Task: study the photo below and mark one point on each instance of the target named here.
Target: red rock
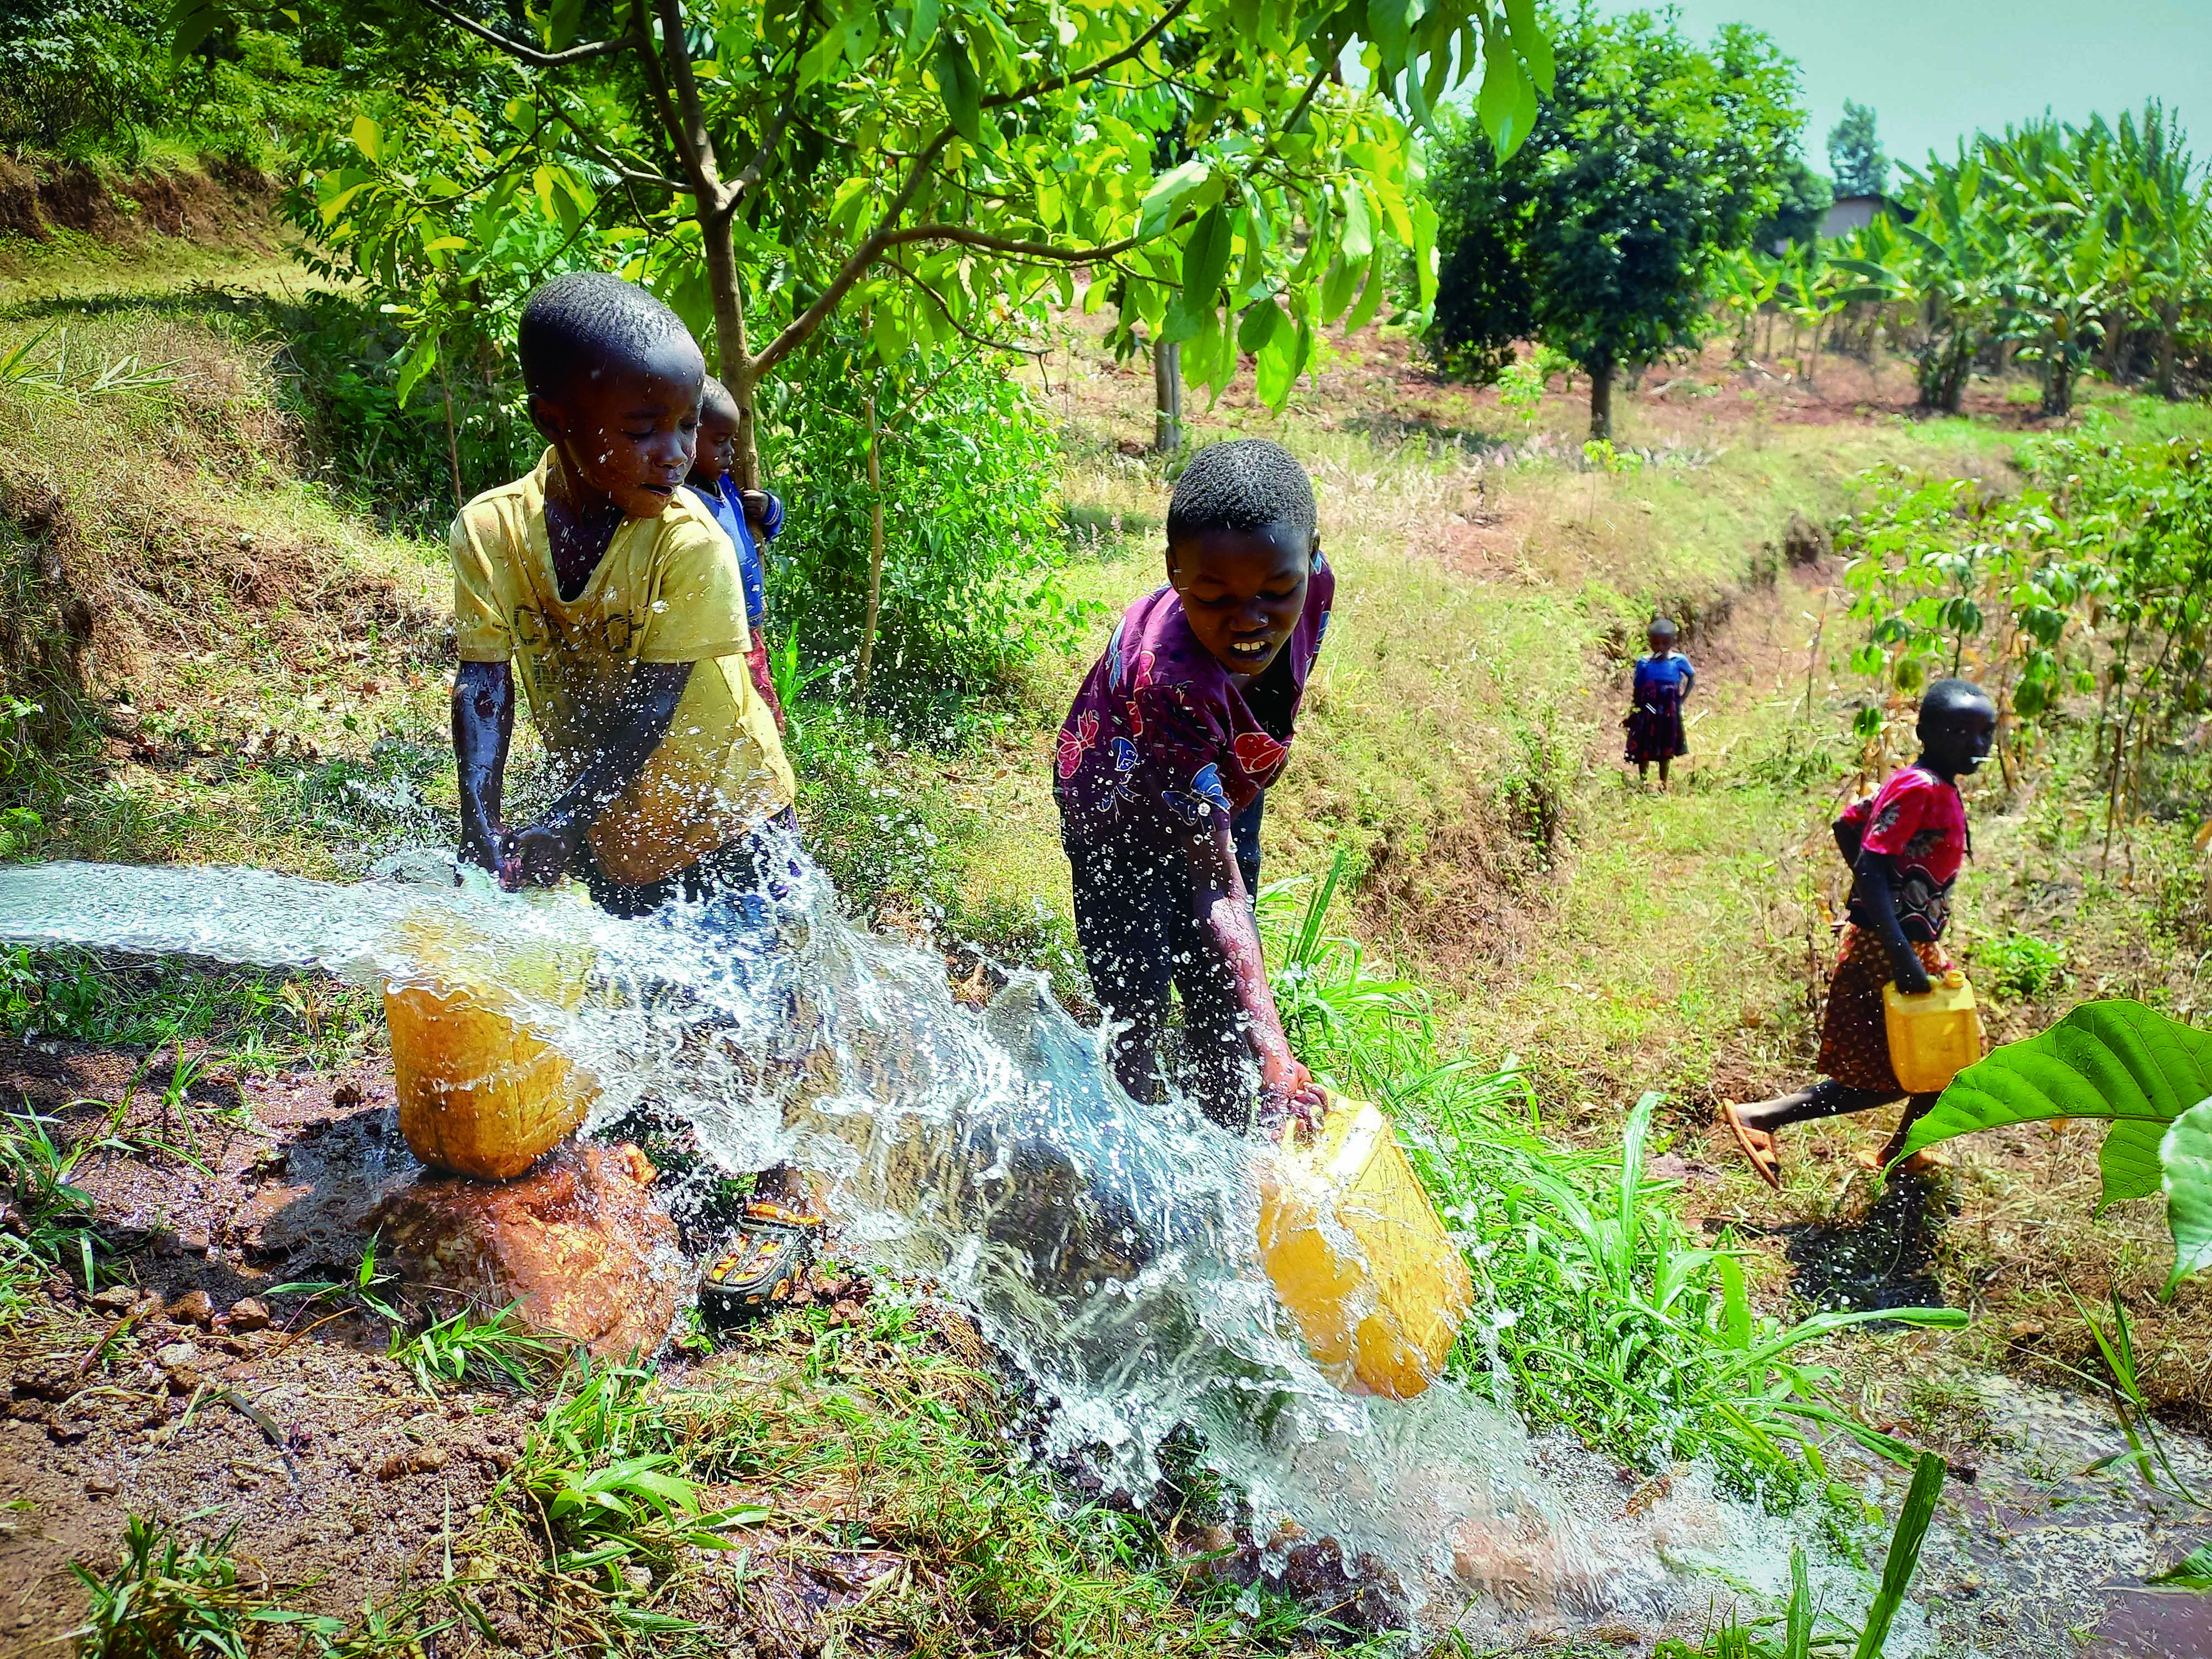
(578, 1242)
(248, 1314)
(193, 1308)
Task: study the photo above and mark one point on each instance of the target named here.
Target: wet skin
(1242, 593)
(718, 454)
(624, 433)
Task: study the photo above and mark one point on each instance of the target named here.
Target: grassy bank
(232, 655)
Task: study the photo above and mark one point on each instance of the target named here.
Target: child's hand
(754, 505)
(1912, 979)
(537, 855)
(1296, 1096)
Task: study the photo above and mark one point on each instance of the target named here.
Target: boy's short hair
(1663, 625)
(1244, 485)
(1944, 697)
(581, 320)
(716, 400)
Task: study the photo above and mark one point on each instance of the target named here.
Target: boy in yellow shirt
(614, 597)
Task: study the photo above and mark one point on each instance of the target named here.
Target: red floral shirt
(1919, 822)
(1159, 735)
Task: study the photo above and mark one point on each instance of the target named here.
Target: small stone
(176, 1356)
(638, 1579)
(192, 1240)
(429, 1458)
(346, 1096)
(117, 1298)
(394, 1468)
(100, 1486)
(193, 1308)
(248, 1314)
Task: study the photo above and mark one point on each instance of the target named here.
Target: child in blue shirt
(1663, 680)
(748, 518)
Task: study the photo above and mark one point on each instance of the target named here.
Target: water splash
(1108, 1248)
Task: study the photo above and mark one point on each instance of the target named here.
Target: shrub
(2021, 965)
(971, 540)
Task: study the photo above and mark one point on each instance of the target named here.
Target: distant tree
(1652, 160)
(1806, 197)
(1855, 154)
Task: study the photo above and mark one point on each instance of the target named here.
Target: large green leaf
(2186, 1154)
(2106, 1059)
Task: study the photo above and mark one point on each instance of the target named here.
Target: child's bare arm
(1876, 886)
(540, 853)
(1225, 913)
(484, 726)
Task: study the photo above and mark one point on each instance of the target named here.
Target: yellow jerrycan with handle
(482, 1091)
(1932, 1038)
(1359, 1256)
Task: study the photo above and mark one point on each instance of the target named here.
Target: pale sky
(1936, 70)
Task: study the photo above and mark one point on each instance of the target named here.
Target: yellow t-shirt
(667, 590)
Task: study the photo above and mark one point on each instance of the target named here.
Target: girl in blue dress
(1663, 680)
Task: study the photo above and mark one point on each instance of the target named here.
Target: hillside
(220, 650)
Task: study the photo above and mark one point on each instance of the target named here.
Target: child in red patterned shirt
(1905, 845)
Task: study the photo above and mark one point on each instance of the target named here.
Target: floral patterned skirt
(1855, 1035)
(1655, 731)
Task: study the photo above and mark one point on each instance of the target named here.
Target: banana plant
(2147, 1074)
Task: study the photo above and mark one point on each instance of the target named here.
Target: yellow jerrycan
(481, 1091)
(1389, 1319)
(1932, 1038)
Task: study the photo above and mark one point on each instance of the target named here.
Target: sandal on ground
(1756, 1146)
(771, 1247)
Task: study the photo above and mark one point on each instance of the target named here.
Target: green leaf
(1206, 260)
(2115, 1060)
(1359, 226)
(2185, 1156)
(1338, 287)
(1904, 1554)
(1388, 27)
(1506, 105)
(920, 30)
(2192, 1572)
(421, 358)
(367, 136)
(1370, 300)
(1259, 326)
(561, 22)
(193, 20)
(1278, 364)
(1530, 41)
(1155, 212)
(961, 88)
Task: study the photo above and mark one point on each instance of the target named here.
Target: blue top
(1660, 678)
(722, 502)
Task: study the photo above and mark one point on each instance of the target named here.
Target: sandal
(1756, 1145)
(772, 1246)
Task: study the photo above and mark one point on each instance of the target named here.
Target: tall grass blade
(1797, 1622)
(1904, 1555)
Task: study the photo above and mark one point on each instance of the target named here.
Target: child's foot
(1758, 1145)
(1925, 1162)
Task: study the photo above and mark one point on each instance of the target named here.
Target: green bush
(971, 537)
(81, 76)
(2021, 965)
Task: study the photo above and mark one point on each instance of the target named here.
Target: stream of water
(1109, 1249)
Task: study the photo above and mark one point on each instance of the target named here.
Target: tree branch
(515, 49)
(1061, 83)
(749, 175)
(703, 185)
(963, 331)
(799, 328)
(694, 133)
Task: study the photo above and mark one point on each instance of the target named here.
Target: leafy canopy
(941, 166)
(1855, 154)
(1600, 237)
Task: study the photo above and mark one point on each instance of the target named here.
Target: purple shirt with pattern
(1159, 737)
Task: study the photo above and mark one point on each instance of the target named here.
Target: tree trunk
(1167, 398)
(875, 553)
(2169, 315)
(733, 363)
(1600, 380)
